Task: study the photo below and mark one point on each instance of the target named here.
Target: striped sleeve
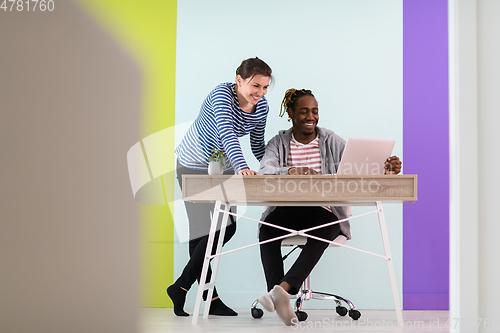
(222, 105)
(257, 140)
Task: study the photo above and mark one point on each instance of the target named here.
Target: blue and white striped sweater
(219, 124)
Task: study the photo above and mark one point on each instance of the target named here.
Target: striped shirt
(219, 125)
(305, 155)
(302, 155)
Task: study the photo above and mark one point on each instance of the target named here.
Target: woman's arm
(257, 140)
(222, 105)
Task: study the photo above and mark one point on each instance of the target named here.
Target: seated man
(304, 149)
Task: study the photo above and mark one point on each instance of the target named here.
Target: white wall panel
(350, 54)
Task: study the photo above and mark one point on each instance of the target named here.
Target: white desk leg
(206, 261)
(215, 265)
(390, 266)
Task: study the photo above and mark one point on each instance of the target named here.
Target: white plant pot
(214, 168)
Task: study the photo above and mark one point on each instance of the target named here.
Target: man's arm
(270, 163)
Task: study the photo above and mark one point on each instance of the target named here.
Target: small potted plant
(216, 162)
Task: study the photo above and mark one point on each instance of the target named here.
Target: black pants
(296, 218)
(199, 216)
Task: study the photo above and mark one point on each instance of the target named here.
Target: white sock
(267, 302)
(281, 300)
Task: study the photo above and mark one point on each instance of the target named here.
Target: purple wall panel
(425, 133)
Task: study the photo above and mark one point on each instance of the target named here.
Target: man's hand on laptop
(392, 165)
(302, 171)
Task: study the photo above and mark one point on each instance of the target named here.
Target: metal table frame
(223, 207)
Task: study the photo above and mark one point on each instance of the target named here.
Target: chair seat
(301, 240)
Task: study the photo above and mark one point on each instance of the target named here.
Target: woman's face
(253, 88)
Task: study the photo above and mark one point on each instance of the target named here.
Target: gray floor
(156, 320)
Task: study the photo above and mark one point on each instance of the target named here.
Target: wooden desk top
(269, 189)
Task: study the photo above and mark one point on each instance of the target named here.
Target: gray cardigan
(331, 148)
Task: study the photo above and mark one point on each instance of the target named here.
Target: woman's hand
(247, 172)
(302, 171)
(392, 165)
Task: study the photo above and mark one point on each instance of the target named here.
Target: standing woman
(230, 111)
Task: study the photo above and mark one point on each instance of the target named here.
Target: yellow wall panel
(147, 30)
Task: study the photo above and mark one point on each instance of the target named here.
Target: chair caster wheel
(354, 314)
(257, 313)
(301, 315)
(342, 311)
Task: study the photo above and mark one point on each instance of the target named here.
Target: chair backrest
(301, 240)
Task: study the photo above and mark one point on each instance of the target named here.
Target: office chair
(306, 293)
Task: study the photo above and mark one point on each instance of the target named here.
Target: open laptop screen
(365, 156)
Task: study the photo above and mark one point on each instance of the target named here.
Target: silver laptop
(365, 156)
